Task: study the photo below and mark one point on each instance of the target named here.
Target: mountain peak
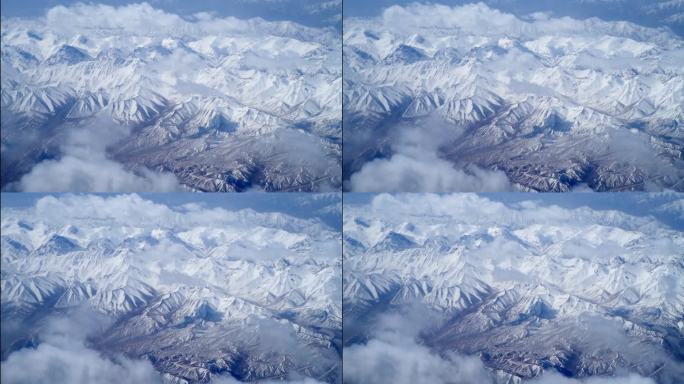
(405, 54)
(68, 55)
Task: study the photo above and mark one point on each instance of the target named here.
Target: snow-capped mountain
(554, 103)
(222, 104)
(530, 288)
(203, 294)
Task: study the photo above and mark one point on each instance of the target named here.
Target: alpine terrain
(182, 294)
(508, 289)
(131, 98)
(470, 98)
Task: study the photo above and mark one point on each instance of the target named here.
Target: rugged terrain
(219, 104)
(528, 287)
(553, 103)
(200, 293)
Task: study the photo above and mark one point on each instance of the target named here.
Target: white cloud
(119, 208)
(85, 167)
(135, 210)
(93, 174)
(481, 19)
(424, 173)
(72, 362)
(393, 355)
(555, 378)
(134, 17)
(144, 19)
(63, 357)
(469, 17)
(417, 165)
(380, 361)
(491, 212)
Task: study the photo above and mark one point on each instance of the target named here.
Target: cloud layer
(94, 173)
(482, 19)
(144, 18)
(423, 173)
(394, 354)
(417, 165)
(85, 166)
(64, 357)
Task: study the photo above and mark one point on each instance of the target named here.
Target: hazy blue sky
(319, 13)
(325, 206)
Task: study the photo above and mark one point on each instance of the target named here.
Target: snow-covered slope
(222, 104)
(202, 293)
(552, 102)
(529, 287)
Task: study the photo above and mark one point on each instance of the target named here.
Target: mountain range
(201, 294)
(216, 104)
(527, 288)
(552, 103)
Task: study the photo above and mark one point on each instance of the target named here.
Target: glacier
(135, 287)
(513, 288)
(470, 98)
(97, 98)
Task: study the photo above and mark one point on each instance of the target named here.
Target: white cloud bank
(70, 361)
(394, 354)
(481, 19)
(64, 357)
(383, 361)
(85, 166)
(423, 173)
(126, 210)
(95, 173)
(417, 166)
(144, 18)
